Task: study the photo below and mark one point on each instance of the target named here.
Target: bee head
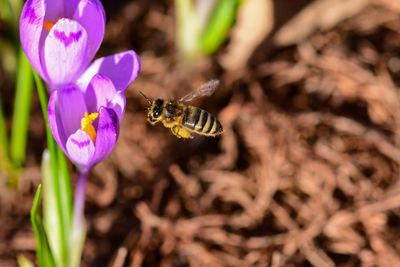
(155, 111)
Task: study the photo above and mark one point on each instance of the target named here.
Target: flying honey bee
(182, 119)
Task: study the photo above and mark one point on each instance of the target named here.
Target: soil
(305, 174)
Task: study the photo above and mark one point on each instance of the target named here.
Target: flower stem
(79, 199)
(78, 226)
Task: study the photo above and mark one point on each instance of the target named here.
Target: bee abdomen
(201, 122)
(212, 126)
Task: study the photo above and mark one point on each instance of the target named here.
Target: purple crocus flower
(61, 37)
(84, 117)
(85, 123)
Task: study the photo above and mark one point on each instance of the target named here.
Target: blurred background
(306, 173)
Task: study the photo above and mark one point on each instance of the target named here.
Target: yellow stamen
(87, 124)
(49, 24)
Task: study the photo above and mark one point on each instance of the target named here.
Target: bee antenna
(148, 100)
(140, 109)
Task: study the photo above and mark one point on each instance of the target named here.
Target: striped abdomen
(201, 122)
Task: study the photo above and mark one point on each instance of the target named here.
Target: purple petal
(118, 105)
(121, 68)
(71, 107)
(102, 93)
(31, 25)
(65, 53)
(90, 14)
(54, 11)
(80, 150)
(99, 92)
(54, 121)
(107, 134)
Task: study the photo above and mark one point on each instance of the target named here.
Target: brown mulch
(306, 172)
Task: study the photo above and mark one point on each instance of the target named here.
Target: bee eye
(157, 108)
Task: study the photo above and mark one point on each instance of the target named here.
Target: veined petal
(121, 68)
(30, 26)
(118, 105)
(91, 15)
(99, 92)
(107, 134)
(65, 52)
(71, 107)
(54, 121)
(80, 149)
(102, 93)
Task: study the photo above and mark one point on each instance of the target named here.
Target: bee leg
(175, 131)
(180, 132)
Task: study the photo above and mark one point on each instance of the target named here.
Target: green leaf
(219, 24)
(43, 252)
(22, 105)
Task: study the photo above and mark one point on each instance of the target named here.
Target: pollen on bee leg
(181, 132)
(87, 124)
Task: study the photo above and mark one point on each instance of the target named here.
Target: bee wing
(206, 89)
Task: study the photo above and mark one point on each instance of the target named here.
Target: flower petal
(71, 107)
(54, 10)
(121, 68)
(65, 52)
(54, 121)
(80, 150)
(107, 133)
(102, 93)
(30, 26)
(91, 15)
(118, 105)
(99, 92)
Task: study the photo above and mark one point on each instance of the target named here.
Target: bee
(183, 119)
